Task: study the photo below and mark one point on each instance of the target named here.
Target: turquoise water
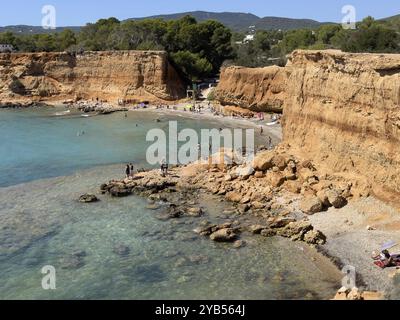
(45, 167)
(38, 144)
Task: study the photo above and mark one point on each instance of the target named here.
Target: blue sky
(78, 12)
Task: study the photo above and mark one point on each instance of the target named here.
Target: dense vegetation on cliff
(270, 47)
(199, 49)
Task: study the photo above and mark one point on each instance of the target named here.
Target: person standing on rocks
(164, 168)
(128, 171)
(269, 143)
(132, 170)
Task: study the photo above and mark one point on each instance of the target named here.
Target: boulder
(342, 294)
(296, 229)
(292, 186)
(174, 212)
(268, 233)
(245, 172)
(276, 223)
(119, 192)
(289, 174)
(307, 164)
(233, 196)
(279, 161)
(336, 199)
(243, 208)
(322, 196)
(315, 237)
(72, 262)
(239, 244)
(373, 295)
(354, 294)
(228, 178)
(263, 161)
(256, 229)
(194, 212)
(223, 235)
(88, 198)
(258, 205)
(311, 205)
(305, 174)
(259, 175)
(245, 200)
(152, 206)
(206, 230)
(275, 179)
(121, 250)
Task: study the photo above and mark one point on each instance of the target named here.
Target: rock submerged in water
(74, 260)
(88, 198)
(256, 229)
(239, 244)
(224, 235)
(121, 250)
(120, 192)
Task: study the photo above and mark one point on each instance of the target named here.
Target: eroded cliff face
(258, 89)
(131, 75)
(340, 110)
(343, 111)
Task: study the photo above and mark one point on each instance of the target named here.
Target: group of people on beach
(385, 259)
(130, 170)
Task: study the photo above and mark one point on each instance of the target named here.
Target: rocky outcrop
(342, 111)
(339, 109)
(113, 75)
(356, 294)
(258, 89)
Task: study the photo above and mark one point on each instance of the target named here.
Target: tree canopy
(199, 49)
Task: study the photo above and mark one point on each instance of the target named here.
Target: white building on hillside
(248, 38)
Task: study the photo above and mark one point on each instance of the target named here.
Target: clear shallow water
(41, 223)
(36, 144)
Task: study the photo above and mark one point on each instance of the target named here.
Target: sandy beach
(274, 131)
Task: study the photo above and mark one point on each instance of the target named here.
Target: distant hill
(23, 29)
(268, 23)
(242, 21)
(396, 17)
(236, 21)
(393, 21)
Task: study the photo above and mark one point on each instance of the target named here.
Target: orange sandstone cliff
(341, 110)
(130, 75)
(258, 89)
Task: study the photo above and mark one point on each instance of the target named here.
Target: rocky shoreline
(96, 107)
(22, 105)
(273, 195)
